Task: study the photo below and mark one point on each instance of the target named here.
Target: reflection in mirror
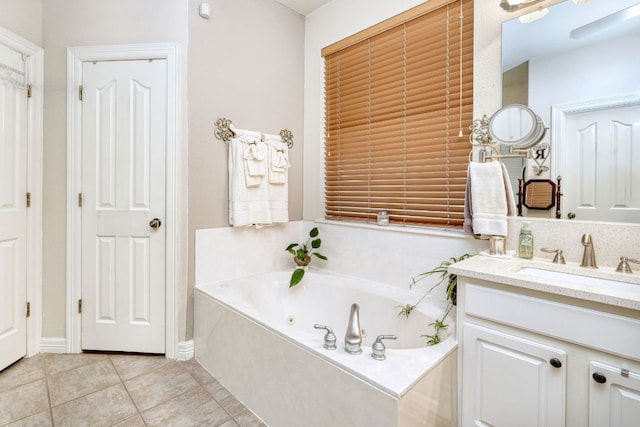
(516, 126)
(540, 194)
(544, 68)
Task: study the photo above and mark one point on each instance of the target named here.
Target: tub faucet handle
(329, 337)
(378, 348)
(624, 266)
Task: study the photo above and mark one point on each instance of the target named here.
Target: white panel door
(601, 174)
(614, 396)
(13, 214)
(509, 381)
(124, 111)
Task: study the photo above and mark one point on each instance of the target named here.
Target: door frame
(35, 106)
(559, 115)
(174, 220)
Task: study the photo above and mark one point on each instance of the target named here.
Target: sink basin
(577, 279)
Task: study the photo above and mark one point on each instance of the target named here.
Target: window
(398, 102)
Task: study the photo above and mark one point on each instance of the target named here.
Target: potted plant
(302, 255)
(451, 294)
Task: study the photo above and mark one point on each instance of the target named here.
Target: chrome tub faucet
(353, 337)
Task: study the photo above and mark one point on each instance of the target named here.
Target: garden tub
(256, 336)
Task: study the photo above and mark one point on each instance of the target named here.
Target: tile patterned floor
(116, 390)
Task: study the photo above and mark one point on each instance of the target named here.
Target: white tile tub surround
(386, 254)
(610, 240)
(228, 252)
(289, 383)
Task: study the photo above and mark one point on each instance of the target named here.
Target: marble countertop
(624, 291)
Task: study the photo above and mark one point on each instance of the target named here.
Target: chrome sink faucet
(589, 255)
(353, 337)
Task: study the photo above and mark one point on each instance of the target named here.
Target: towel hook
(223, 130)
(287, 137)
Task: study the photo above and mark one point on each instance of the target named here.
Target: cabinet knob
(599, 378)
(556, 363)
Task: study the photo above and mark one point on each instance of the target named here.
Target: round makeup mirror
(516, 126)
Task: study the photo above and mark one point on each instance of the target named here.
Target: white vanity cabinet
(531, 358)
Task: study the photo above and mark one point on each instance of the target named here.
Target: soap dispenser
(525, 242)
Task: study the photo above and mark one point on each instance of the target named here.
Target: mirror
(569, 57)
(516, 126)
(540, 194)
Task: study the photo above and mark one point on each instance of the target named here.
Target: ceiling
(551, 34)
(304, 7)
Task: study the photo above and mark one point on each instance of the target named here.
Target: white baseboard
(59, 345)
(185, 350)
(53, 345)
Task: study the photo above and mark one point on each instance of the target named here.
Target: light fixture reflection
(513, 5)
(534, 16)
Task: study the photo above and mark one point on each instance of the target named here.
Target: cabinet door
(614, 396)
(509, 381)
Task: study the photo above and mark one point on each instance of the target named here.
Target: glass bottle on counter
(525, 242)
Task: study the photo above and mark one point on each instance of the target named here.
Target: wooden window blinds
(397, 98)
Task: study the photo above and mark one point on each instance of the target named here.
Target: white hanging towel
(248, 204)
(254, 155)
(278, 171)
(488, 200)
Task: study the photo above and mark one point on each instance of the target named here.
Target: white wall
(23, 17)
(603, 70)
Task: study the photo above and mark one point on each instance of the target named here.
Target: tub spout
(353, 337)
(589, 255)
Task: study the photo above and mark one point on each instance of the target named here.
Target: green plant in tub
(302, 254)
(451, 294)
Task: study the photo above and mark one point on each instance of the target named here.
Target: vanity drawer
(597, 329)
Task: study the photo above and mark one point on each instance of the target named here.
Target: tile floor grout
(145, 391)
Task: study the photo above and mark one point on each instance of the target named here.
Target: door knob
(155, 223)
(571, 215)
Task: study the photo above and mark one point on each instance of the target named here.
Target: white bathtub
(256, 336)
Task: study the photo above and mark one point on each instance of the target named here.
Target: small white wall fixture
(75, 57)
(34, 63)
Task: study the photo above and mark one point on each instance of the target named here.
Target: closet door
(13, 209)
(123, 209)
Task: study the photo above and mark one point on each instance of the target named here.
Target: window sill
(408, 229)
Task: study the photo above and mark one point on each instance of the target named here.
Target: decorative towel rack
(224, 133)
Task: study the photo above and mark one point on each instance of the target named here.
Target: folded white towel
(248, 205)
(254, 155)
(278, 159)
(278, 178)
(254, 162)
(488, 203)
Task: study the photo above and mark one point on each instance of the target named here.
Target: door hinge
(29, 90)
(28, 309)
(28, 199)
(80, 200)
(80, 305)
(80, 93)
